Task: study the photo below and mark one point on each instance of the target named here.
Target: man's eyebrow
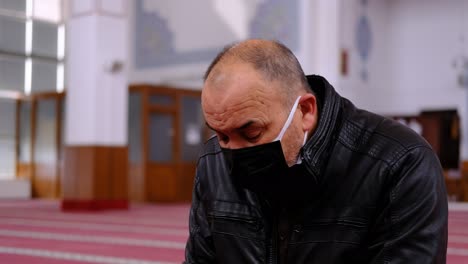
(244, 126)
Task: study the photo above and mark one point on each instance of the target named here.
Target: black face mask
(263, 169)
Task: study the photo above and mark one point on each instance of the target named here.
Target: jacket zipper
(273, 258)
(274, 242)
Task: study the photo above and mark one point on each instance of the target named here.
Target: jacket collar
(316, 151)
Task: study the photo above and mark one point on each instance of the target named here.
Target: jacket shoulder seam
(399, 151)
(355, 150)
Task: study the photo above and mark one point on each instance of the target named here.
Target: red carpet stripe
(98, 249)
(165, 237)
(87, 258)
(91, 226)
(37, 232)
(21, 258)
(93, 239)
(99, 218)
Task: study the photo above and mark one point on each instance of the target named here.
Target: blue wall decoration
(364, 41)
(154, 46)
(154, 41)
(364, 38)
(277, 20)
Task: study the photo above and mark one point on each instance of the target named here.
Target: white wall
(189, 75)
(189, 23)
(425, 41)
(415, 43)
(373, 93)
(15, 189)
(96, 99)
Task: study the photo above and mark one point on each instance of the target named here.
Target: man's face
(245, 110)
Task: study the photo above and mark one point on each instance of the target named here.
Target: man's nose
(232, 144)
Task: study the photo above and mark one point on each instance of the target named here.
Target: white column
(322, 39)
(97, 81)
(95, 170)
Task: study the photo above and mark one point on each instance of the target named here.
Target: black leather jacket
(378, 196)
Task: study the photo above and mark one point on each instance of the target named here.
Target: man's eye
(253, 136)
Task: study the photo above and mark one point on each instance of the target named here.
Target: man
(298, 174)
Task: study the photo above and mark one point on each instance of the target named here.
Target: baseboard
(15, 189)
(93, 205)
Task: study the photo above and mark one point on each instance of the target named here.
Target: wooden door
(162, 152)
(24, 139)
(191, 137)
(136, 167)
(46, 145)
(163, 163)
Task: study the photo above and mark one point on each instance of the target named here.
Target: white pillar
(97, 88)
(323, 38)
(95, 167)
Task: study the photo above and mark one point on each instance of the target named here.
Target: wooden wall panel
(464, 180)
(44, 182)
(118, 169)
(170, 183)
(136, 182)
(23, 170)
(102, 175)
(186, 176)
(78, 172)
(161, 183)
(83, 173)
(68, 173)
(464, 168)
(95, 177)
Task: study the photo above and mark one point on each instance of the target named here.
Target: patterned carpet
(37, 232)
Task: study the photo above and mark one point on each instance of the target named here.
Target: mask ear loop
(299, 158)
(288, 121)
(305, 138)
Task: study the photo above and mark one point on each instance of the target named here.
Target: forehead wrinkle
(232, 92)
(236, 115)
(235, 93)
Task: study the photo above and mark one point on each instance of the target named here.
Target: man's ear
(309, 109)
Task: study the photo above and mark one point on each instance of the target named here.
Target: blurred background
(99, 99)
(100, 108)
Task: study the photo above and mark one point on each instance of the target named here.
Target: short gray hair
(273, 59)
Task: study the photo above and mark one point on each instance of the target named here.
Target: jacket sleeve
(412, 225)
(199, 248)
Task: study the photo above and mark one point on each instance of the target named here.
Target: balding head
(274, 61)
(249, 93)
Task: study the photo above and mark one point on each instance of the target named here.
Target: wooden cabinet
(166, 133)
(442, 130)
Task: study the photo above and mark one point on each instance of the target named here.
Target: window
(7, 138)
(32, 45)
(32, 48)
